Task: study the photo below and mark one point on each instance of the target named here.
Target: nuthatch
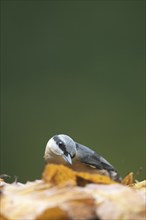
(61, 149)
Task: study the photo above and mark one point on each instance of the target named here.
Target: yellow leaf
(129, 179)
(62, 175)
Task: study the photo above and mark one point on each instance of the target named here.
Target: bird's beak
(67, 158)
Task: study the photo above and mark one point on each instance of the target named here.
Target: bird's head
(60, 146)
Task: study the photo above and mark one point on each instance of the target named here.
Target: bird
(62, 149)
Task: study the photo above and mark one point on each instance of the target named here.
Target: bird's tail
(115, 176)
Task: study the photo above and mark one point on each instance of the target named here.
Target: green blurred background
(73, 67)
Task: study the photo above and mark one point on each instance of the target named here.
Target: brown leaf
(62, 175)
(129, 179)
(118, 202)
(140, 185)
(37, 200)
(53, 213)
(58, 196)
(59, 175)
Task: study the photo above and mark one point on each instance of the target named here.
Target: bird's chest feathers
(76, 165)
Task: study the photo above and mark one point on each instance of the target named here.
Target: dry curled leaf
(38, 200)
(118, 202)
(59, 175)
(129, 179)
(140, 185)
(59, 196)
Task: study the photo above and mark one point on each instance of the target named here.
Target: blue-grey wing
(88, 156)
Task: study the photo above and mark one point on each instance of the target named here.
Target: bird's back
(89, 157)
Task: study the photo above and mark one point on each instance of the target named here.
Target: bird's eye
(61, 144)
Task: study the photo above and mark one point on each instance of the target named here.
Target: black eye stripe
(61, 145)
(63, 148)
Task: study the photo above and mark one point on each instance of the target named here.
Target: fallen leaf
(129, 179)
(62, 175)
(59, 195)
(38, 200)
